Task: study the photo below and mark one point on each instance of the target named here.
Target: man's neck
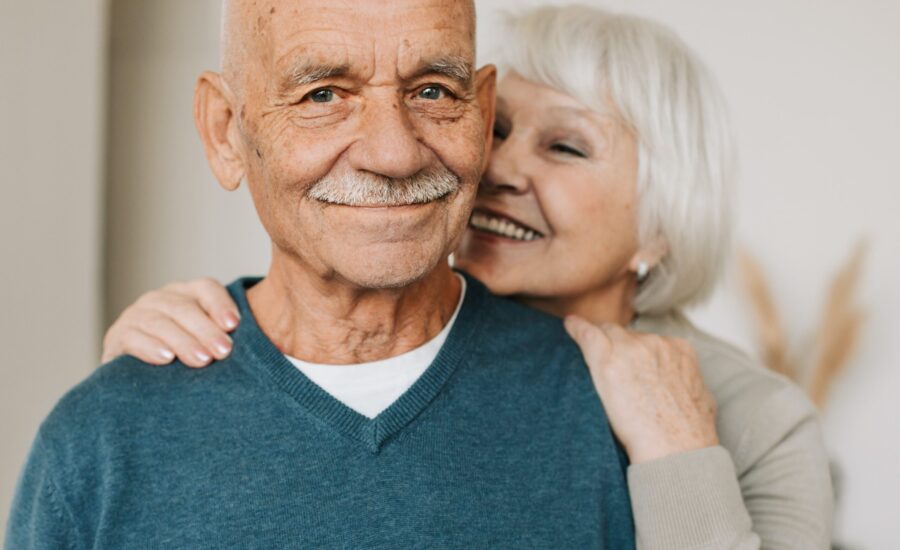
(332, 322)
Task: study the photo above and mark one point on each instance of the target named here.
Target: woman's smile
(497, 227)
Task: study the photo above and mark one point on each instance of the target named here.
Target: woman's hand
(189, 320)
(651, 388)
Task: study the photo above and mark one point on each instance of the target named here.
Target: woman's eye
(499, 132)
(567, 150)
(322, 95)
(432, 93)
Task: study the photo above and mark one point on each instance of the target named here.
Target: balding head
(245, 31)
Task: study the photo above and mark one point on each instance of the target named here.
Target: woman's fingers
(145, 347)
(594, 343)
(187, 348)
(190, 316)
(215, 300)
(188, 320)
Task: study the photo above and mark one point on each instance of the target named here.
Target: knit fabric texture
(502, 443)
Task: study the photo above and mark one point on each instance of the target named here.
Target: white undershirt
(369, 388)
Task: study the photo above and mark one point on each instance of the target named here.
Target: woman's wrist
(659, 448)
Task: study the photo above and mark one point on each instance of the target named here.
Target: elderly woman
(606, 202)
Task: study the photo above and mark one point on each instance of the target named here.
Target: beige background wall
(52, 66)
(812, 85)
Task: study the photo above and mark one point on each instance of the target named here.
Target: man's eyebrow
(455, 67)
(306, 72)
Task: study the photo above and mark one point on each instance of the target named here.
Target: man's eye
(322, 95)
(432, 93)
(567, 150)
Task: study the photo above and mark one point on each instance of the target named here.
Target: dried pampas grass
(840, 327)
(837, 334)
(772, 338)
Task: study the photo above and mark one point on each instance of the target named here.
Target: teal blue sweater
(502, 443)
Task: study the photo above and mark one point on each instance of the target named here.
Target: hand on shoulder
(189, 320)
(651, 388)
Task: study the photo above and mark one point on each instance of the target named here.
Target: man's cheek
(300, 158)
(460, 147)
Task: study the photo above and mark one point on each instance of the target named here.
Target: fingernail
(166, 355)
(223, 348)
(202, 357)
(231, 321)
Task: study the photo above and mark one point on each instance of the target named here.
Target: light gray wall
(168, 217)
(52, 84)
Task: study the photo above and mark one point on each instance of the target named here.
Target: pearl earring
(642, 271)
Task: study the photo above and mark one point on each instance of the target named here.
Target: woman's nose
(505, 172)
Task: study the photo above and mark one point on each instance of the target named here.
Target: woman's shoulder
(757, 407)
(727, 370)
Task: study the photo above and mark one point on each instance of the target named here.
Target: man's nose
(507, 170)
(389, 144)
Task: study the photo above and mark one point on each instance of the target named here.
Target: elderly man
(375, 398)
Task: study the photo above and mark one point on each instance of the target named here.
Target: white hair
(678, 115)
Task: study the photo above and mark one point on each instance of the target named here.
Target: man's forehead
(359, 53)
(408, 31)
(283, 23)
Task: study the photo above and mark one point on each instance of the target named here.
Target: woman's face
(555, 216)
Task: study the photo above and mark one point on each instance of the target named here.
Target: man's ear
(214, 115)
(486, 92)
(650, 254)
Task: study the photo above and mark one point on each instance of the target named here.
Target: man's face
(363, 130)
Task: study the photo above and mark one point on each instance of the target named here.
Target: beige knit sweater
(766, 486)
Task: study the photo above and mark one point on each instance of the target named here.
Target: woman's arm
(693, 495)
(778, 495)
(190, 321)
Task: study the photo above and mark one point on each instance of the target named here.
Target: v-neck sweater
(502, 442)
(369, 388)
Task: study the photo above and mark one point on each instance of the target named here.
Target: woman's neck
(608, 304)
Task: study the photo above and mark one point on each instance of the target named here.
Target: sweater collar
(254, 349)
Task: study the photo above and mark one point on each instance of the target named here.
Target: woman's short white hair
(677, 112)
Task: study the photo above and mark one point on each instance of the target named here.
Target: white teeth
(503, 227)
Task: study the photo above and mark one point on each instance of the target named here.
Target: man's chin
(389, 266)
(388, 278)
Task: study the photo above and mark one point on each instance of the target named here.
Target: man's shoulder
(510, 324)
(124, 391)
(520, 346)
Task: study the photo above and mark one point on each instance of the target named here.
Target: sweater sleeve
(39, 519)
(778, 498)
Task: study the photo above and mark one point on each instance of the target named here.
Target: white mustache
(366, 189)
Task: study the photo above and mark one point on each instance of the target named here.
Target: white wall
(51, 122)
(813, 88)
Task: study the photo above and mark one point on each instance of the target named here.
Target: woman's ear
(214, 115)
(649, 255)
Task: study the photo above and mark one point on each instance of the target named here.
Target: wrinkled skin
(311, 90)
